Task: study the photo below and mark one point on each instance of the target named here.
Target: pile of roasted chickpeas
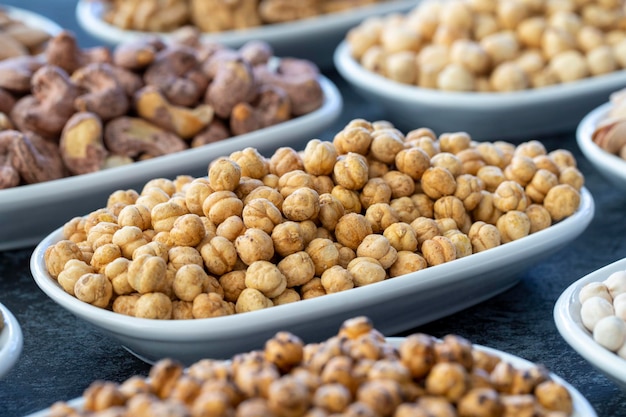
(372, 204)
(493, 46)
(355, 373)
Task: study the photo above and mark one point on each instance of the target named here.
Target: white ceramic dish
(515, 116)
(313, 39)
(582, 408)
(610, 166)
(32, 19)
(30, 212)
(395, 305)
(569, 323)
(11, 340)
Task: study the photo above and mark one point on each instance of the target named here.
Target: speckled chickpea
(348, 198)
(447, 379)
(219, 255)
(207, 305)
(254, 245)
(189, 281)
(94, 289)
(405, 209)
(510, 196)
(224, 174)
(299, 268)
(270, 180)
(152, 196)
(188, 230)
(461, 242)
(539, 217)
(401, 236)
(386, 144)
(483, 236)
(220, 205)
(351, 229)
(561, 201)
(125, 304)
(247, 185)
(471, 161)
(380, 216)
(438, 250)
(377, 247)
(353, 139)
(269, 193)
(251, 162)
(365, 271)
(481, 402)
(448, 161)
(135, 215)
(262, 214)
(164, 184)
(101, 234)
(351, 171)
(231, 228)
(468, 190)
(425, 228)
(312, 289)
(147, 273)
(452, 207)
(501, 46)
(513, 225)
(375, 190)
(319, 157)
(569, 66)
(455, 77)
(521, 169)
(407, 262)
(72, 271)
(323, 253)
(424, 142)
(103, 255)
(293, 180)
(288, 238)
(485, 210)
(438, 182)
(508, 76)
(336, 279)
(252, 299)
(302, 204)
(290, 295)
(541, 183)
(572, 176)
(554, 396)
(285, 159)
(195, 194)
(58, 254)
(401, 184)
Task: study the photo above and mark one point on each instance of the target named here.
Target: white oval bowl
(313, 38)
(32, 19)
(11, 341)
(30, 212)
(570, 326)
(511, 116)
(581, 407)
(395, 305)
(610, 166)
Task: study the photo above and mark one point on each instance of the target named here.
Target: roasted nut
(254, 245)
(561, 201)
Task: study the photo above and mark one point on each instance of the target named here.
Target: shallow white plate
(514, 116)
(612, 167)
(582, 408)
(11, 340)
(313, 39)
(395, 305)
(30, 212)
(32, 19)
(569, 324)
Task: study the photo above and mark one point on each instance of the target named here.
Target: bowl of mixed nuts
(405, 228)
(591, 316)
(498, 70)
(601, 138)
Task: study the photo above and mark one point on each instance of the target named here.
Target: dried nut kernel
(302, 204)
(510, 196)
(224, 175)
(351, 229)
(513, 225)
(351, 171)
(366, 271)
(438, 250)
(438, 182)
(484, 236)
(254, 245)
(319, 157)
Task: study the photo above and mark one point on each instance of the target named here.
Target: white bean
(610, 332)
(593, 310)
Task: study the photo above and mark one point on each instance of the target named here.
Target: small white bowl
(395, 305)
(32, 19)
(610, 166)
(314, 38)
(581, 407)
(569, 323)
(515, 116)
(11, 341)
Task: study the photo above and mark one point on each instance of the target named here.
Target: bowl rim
(566, 311)
(597, 156)
(12, 332)
(233, 325)
(356, 74)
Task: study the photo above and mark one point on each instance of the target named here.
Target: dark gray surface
(62, 355)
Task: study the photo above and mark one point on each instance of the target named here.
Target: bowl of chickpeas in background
(11, 340)
(208, 266)
(601, 138)
(590, 316)
(496, 69)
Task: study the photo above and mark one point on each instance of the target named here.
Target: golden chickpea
(554, 396)
(195, 194)
(351, 229)
(336, 279)
(220, 205)
(94, 289)
(461, 242)
(401, 67)
(532, 62)
(437, 182)
(399, 38)
(455, 77)
(405, 208)
(348, 198)
(375, 190)
(513, 225)
(425, 228)
(219, 255)
(483, 236)
(468, 190)
(302, 204)
(323, 253)
(407, 262)
(230, 228)
(353, 138)
(401, 184)
(426, 143)
(224, 174)
(401, 236)
(103, 255)
(269, 193)
(351, 171)
(254, 245)
(298, 268)
(72, 271)
(233, 283)
(491, 176)
(377, 247)
(294, 180)
(598, 16)
(252, 299)
(246, 186)
(183, 255)
(251, 162)
(561, 201)
(152, 196)
(386, 144)
(510, 196)
(265, 277)
(569, 66)
(290, 295)
(101, 234)
(262, 214)
(539, 217)
(285, 159)
(508, 76)
(453, 208)
(540, 184)
(319, 157)
(486, 211)
(481, 401)
(501, 46)
(471, 55)
(187, 230)
(312, 289)
(380, 216)
(448, 161)
(530, 31)
(438, 250)
(485, 24)
(447, 379)
(471, 160)
(365, 271)
(555, 41)
(189, 282)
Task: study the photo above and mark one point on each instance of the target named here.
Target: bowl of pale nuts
(11, 340)
(591, 316)
(289, 376)
(498, 70)
(602, 139)
(308, 30)
(368, 223)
